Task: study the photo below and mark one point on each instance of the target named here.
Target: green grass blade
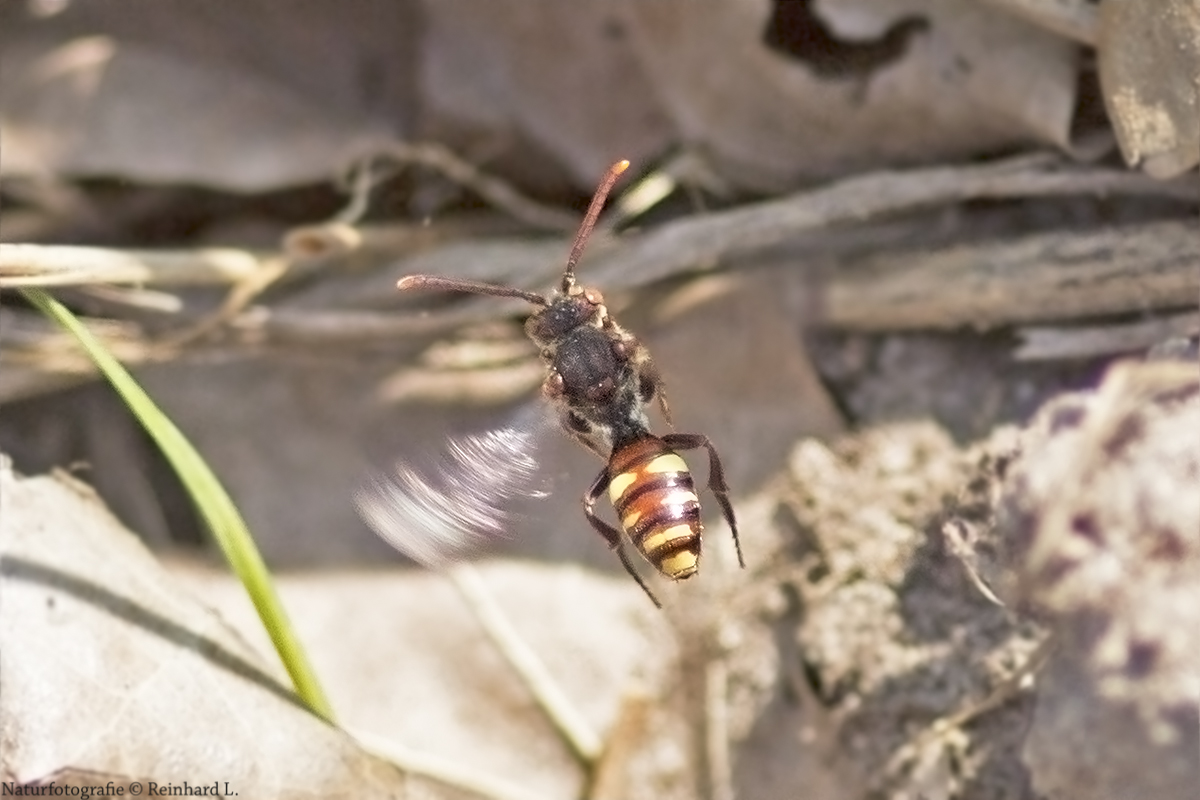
(210, 498)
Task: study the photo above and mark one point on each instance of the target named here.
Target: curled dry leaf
(773, 93)
(245, 97)
(777, 93)
(1149, 58)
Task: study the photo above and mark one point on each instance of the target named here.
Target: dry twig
(584, 742)
(716, 729)
(1148, 268)
(1089, 341)
(491, 189)
(451, 772)
(1016, 683)
(626, 740)
(705, 241)
(1054, 276)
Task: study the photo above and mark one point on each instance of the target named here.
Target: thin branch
(239, 297)
(1021, 680)
(705, 241)
(1053, 276)
(693, 244)
(495, 191)
(953, 534)
(626, 740)
(451, 772)
(716, 729)
(583, 741)
(1034, 280)
(1089, 341)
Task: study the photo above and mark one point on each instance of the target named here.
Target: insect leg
(660, 389)
(611, 534)
(716, 478)
(581, 431)
(650, 382)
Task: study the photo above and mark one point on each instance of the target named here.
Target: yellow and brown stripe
(652, 491)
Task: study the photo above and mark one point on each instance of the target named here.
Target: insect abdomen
(652, 491)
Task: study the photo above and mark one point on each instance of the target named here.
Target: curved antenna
(470, 287)
(589, 221)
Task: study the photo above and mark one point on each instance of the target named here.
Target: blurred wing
(443, 514)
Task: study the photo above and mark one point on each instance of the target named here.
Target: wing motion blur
(443, 514)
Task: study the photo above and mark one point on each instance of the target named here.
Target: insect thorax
(606, 428)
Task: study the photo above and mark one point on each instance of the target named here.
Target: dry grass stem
(716, 729)
(451, 772)
(583, 741)
(495, 191)
(25, 265)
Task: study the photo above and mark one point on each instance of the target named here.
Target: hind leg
(611, 534)
(716, 478)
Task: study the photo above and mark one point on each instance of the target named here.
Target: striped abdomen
(651, 488)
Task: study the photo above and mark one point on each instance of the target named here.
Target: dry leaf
(850, 84)
(244, 97)
(512, 81)
(1149, 58)
(405, 659)
(108, 668)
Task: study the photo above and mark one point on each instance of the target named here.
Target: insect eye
(593, 296)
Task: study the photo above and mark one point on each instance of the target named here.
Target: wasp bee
(601, 380)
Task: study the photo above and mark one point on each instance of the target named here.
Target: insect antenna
(589, 222)
(470, 287)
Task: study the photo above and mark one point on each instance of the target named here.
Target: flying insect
(601, 381)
